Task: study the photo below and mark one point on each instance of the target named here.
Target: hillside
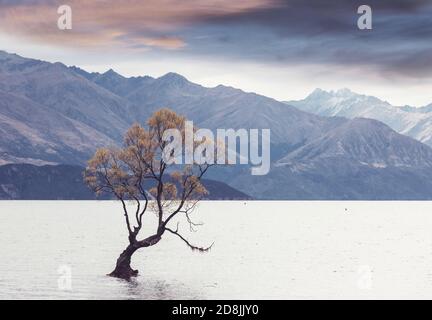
(65, 182)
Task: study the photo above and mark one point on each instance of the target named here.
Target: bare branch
(193, 248)
(191, 223)
(126, 217)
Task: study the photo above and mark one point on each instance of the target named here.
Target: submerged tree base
(124, 273)
(123, 268)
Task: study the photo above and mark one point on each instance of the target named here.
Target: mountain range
(410, 121)
(53, 114)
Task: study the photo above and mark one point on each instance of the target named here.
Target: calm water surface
(263, 250)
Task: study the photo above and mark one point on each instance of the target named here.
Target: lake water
(263, 250)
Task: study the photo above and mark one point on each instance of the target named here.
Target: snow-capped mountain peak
(414, 122)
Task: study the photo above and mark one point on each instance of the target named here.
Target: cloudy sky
(280, 48)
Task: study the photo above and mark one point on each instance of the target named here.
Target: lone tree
(138, 174)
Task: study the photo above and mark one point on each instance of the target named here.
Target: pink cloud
(117, 23)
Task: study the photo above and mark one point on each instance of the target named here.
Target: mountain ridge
(73, 112)
(410, 121)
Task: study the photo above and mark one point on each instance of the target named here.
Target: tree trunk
(123, 268)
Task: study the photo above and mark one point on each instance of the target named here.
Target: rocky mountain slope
(362, 159)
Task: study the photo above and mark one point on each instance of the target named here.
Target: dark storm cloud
(325, 32)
